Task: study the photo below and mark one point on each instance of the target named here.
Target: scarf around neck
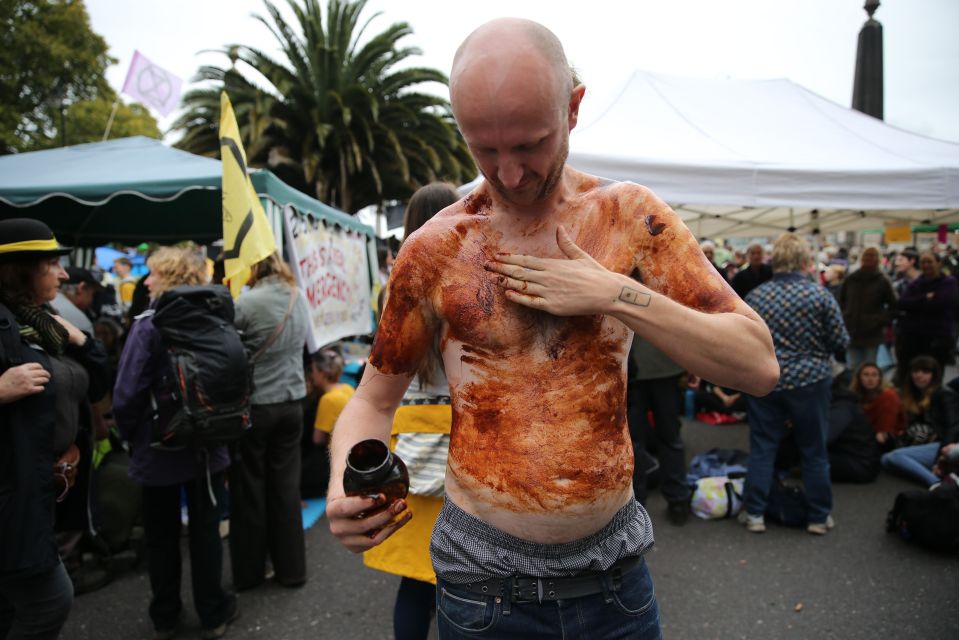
(39, 327)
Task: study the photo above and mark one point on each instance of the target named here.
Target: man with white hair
(532, 287)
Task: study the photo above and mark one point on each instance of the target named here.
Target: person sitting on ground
(928, 414)
(140, 399)
(326, 372)
(850, 441)
(931, 416)
(931, 419)
(713, 398)
(881, 403)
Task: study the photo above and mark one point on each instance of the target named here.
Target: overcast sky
(812, 42)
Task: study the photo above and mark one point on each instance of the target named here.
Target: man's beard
(547, 186)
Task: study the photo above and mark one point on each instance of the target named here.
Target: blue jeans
(855, 356)
(808, 409)
(914, 462)
(629, 613)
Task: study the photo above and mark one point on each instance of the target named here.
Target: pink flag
(152, 85)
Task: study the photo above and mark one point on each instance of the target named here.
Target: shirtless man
(532, 287)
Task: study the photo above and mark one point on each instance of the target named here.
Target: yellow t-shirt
(126, 290)
(330, 406)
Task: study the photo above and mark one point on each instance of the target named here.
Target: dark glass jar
(371, 469)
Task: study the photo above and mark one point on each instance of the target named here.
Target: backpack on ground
(928, 518)
(787, 504)
(211, 377)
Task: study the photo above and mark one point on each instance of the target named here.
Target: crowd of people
(124, 490)
(862, 357)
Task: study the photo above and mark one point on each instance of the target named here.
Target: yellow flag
(247, 236)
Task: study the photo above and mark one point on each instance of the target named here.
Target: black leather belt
(525, 589)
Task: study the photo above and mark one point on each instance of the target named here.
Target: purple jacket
(929, 307)
(142, 366)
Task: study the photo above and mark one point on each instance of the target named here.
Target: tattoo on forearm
(632, 296)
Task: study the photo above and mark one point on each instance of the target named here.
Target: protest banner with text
(333, 270)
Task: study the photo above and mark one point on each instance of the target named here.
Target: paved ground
(713, 580)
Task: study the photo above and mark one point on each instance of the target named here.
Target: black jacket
(941, 414)
(868, 304)
(26, 454)
(748, 279)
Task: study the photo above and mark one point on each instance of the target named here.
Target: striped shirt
(806, 325)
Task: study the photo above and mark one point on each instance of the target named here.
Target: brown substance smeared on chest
(539, 420)
(545, 432)
(539, 415)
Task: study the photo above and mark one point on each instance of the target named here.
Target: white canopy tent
(757, 157)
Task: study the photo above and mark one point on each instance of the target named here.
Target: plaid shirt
(806, 325)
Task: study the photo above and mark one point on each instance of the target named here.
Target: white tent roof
(755, 157)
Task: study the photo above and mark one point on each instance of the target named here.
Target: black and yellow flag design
(247, 236)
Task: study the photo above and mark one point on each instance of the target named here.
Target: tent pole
(113, 113)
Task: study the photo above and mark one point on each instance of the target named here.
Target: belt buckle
(523, 590)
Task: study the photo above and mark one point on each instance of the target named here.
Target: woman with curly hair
(141, 399)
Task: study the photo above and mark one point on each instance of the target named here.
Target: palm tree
(335, 117)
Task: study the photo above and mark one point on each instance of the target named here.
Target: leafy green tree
(49, 57)
(339, 116)
(87, 121)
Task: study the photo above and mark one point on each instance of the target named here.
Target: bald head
(511, 49)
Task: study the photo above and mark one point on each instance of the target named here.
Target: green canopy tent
(136, 190)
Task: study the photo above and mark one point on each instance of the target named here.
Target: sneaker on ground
(754, 524)
(821, 528)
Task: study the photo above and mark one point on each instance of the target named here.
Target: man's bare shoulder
(450, 221)
(626, 193)
(637, 205)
